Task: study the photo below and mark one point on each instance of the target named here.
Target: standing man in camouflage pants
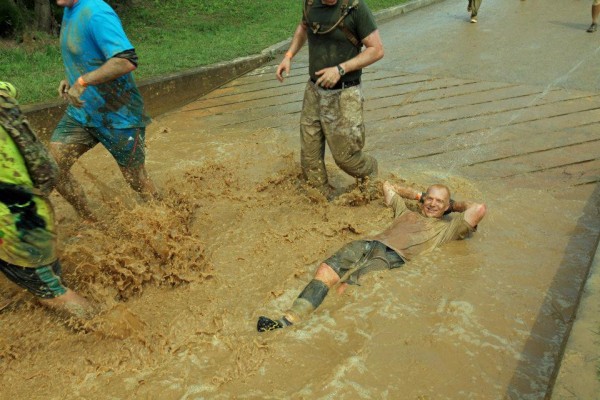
(332, 111)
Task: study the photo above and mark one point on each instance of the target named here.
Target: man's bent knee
(358, 165)
(327, 275)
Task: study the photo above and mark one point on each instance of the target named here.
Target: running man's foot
(265, 324)
(473, 19)
(593, 28)
(70, 304)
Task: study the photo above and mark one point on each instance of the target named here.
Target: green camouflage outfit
(474, 7)
(27, 233)
(334, 115)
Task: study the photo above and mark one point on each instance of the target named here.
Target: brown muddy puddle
(180, 284)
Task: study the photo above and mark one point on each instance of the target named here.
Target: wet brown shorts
(362, 256)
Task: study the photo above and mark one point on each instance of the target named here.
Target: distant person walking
(27, 232)
(473, 8)
(105, 104)
(332, 111)
(595, 12)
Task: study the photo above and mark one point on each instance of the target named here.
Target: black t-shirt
(334, 48)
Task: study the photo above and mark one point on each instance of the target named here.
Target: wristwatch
(341, 70)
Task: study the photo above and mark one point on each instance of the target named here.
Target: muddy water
(179, 286)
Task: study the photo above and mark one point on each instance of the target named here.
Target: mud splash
(179, 285)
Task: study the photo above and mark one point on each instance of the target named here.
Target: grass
(168, 36)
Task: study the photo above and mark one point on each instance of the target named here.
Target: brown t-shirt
(411, 233)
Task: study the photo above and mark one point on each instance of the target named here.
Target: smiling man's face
(436, 201)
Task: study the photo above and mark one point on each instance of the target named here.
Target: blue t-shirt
(91, 33)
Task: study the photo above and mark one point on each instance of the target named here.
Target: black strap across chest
(345, 10)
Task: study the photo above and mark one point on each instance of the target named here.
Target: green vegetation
(168, 36)
(11, 20)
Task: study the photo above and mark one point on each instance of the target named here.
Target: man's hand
(328, 77)
(388, 193)
(63, 88)
(284, 67)
(74, 93)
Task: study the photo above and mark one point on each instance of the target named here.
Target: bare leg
(305, 304)
(138, 180)
(70, 304)
(66, 155)
(595, 12)
(342, 288)
(311, 297)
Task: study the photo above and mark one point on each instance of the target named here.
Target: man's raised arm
(473, 212)
(390, 190)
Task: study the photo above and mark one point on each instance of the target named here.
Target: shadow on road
(572, 25)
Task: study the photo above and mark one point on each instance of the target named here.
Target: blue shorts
(44, 282)
(127, 146)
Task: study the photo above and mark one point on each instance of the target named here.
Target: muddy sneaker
(593, 28)
(265, 324)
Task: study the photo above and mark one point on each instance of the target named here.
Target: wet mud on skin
(180, 284)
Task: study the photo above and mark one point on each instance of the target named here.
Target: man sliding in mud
(27, 236)
(411, 233)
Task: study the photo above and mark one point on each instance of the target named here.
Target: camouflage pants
(335, 117)
(474, 6)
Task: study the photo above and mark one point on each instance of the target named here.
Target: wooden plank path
(493, 129)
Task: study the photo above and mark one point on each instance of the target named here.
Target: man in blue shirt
(105, 105)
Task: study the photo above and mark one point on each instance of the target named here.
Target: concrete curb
(578, 376)
(167, 93)
(393, 12)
